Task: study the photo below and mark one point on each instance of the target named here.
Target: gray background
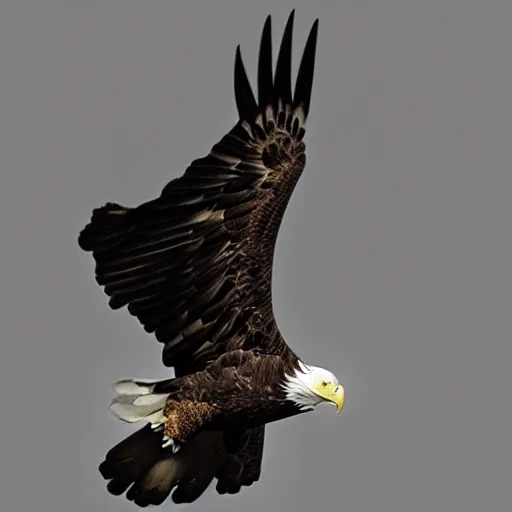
(392, 267)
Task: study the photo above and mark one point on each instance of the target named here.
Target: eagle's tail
(140, 465)
(137, 400)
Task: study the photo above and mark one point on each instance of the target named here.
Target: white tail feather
(135, 401)
(149, 400)
(131, 387)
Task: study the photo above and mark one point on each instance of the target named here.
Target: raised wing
(195, 264)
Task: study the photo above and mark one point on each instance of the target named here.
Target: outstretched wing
(195, 264)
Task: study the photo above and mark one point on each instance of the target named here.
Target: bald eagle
(195, 267)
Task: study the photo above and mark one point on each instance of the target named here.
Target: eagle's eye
(324, 383)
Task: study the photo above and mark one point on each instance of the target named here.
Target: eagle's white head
(311, 385)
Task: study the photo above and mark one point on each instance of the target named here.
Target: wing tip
(276, 91)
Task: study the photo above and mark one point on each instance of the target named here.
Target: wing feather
(265, 80)
(283, 80)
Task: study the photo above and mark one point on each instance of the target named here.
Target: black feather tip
(276, 91)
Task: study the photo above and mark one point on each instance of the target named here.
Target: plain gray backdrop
(393, 264)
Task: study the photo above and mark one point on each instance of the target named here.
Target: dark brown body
(240, 390)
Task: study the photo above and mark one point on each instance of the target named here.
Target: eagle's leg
(184, 418)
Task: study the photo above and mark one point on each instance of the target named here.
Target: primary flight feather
(195, 267)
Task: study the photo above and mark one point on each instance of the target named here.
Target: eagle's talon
(169, 441)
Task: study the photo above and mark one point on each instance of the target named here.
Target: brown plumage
(195, 267)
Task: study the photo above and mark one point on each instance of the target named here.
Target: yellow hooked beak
(331, 392)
